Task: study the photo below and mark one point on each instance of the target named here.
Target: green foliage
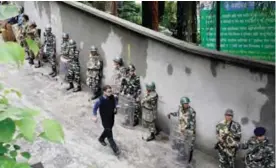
(32, 46)
(169, 17)
(8, 11)
(17, 122)
(131, 11)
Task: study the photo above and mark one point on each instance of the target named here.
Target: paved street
(81, 148)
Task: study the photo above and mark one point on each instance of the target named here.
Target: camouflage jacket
(187, 119)
(65, 48)
(150, 101)
(230, 135)
(119, 75)
(131, 86)
(50, 41)
(73, 56)
(259, 154)
(33, 34)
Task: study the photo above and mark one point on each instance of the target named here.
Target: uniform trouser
(74, 74)
(107, 133)
(95, 86)
(184, 143)
(151, 126)
(52, 58)
(225, 161)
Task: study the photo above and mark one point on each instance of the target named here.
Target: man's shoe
(71, 86)
(77, 89)
(151, 137)
(117, 152)
(102, 142)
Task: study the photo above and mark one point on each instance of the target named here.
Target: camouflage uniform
(65, 45)
(94, 72)
(32, 33)
(119, 74)
(22, 37)
(65, 51)
(50, 49)
(131, 88)
(230, 135)
(186, 130)
(149, 110)
(260, 153)
(74, 67)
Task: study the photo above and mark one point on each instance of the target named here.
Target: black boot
(71, 86)
(31, 61)
(102, 142)
(38, 64)
(77, 89)
(54, 72)
(151, 137)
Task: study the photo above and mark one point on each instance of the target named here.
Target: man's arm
(96, 107)
(270, 161)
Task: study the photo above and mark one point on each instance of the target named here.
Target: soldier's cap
(229, 112)
(259, 131)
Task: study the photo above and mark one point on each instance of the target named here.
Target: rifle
(219, 145)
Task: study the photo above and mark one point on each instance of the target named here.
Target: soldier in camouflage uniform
(229, 135)
(260, 153)
(94, 72)
(32, 33)
(49, 49)
(132, 89)
(187, 128)
(74, 67)
(119, 74)
(65, 50)
(149, 109)
(23, 28)
(65, 45)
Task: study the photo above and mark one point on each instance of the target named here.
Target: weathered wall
(213, 81)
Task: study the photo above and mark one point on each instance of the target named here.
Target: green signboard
(244, 31)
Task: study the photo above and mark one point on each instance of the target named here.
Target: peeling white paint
(112, 48)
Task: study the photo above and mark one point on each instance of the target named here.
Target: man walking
(107, 107)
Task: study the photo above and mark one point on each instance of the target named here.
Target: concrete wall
(214, 81)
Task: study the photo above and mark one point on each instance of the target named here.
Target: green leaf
(16, 147)
(1, 86)
(52, 131)
(4, 101)
(27, 128)
(26, 155)
(8, 11)
(7, 145)
(16, 92)
(6, 162)
(33, 46)
(7, 130)
(13, 153)
(18, 113)
(3, 150)
(22, 165)
(11, 53)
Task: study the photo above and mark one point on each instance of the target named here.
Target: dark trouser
(107, 133)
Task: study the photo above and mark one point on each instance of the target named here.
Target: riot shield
(63, 67)
(181, 142)
(127, 108)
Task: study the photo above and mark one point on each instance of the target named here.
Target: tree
(150, 14)
(186, 21)
(130, 11)
(16, 122)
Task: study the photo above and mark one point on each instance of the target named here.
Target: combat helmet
(150, 86)
(65, 35)
(131, 67)
(118, 60)
(48, 28)
(184, 100)
(93, 48)
(72, 43)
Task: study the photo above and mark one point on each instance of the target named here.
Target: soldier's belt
(148, 108)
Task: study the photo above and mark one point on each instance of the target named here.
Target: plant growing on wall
(16, 122)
